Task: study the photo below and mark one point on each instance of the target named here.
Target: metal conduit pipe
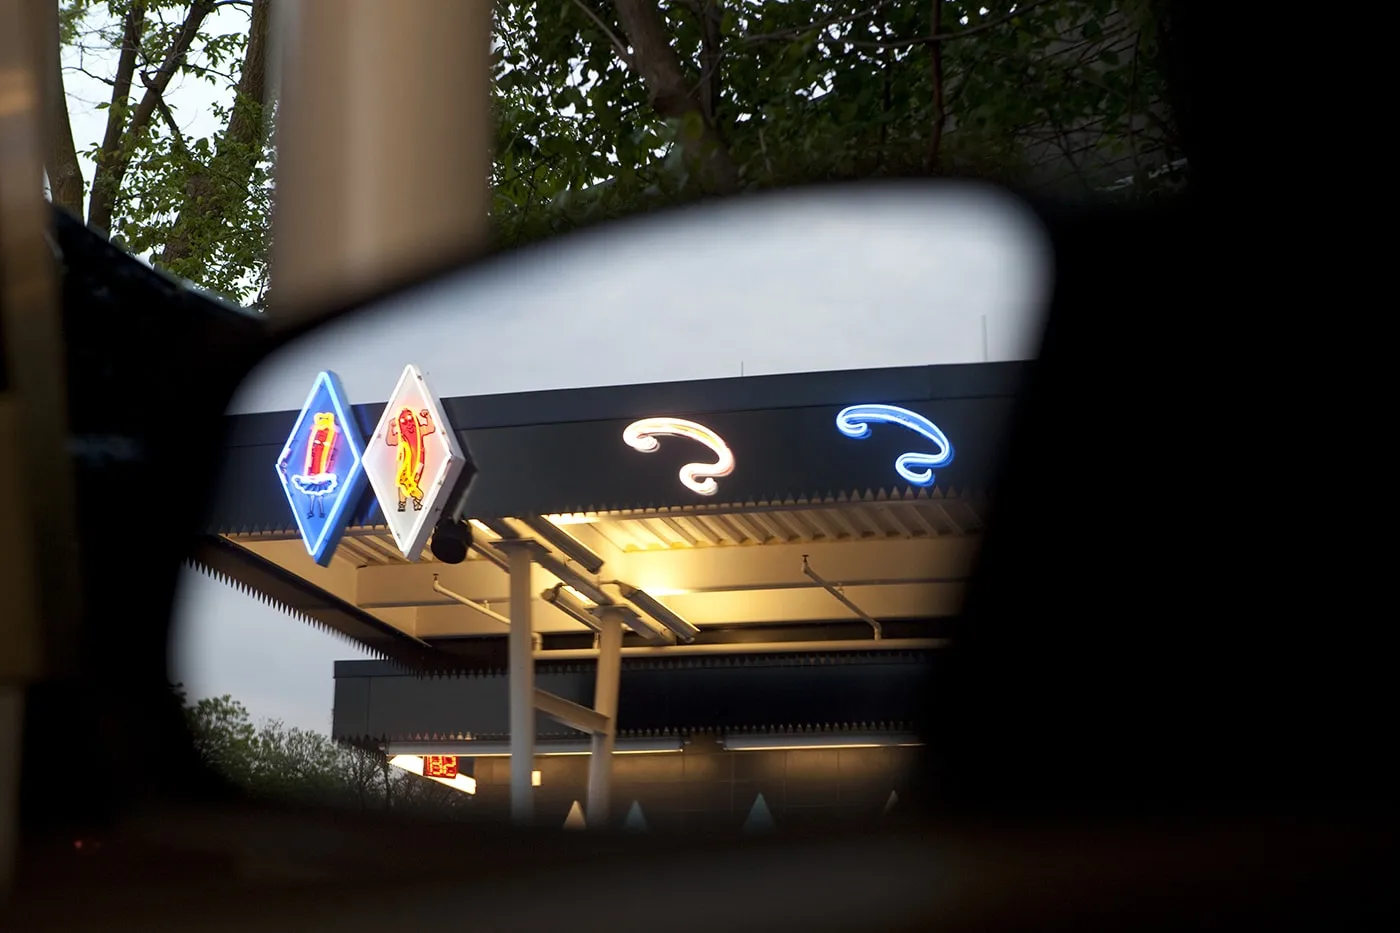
(835, 591)
(768, 647)
(469, 603)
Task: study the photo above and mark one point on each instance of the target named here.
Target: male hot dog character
(317, 480)
(408, 433)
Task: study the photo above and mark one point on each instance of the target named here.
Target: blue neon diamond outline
(332, 528)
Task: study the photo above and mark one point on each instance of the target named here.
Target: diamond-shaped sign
(320, 467)
(412, 461)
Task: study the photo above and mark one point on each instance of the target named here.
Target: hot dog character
(316, 480)
(408, 433)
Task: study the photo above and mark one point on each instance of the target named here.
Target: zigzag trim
(277, 604)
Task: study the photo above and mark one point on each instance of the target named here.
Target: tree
(609, 107)
(225, 737)
(198, 207)
(289, 764)
(656, 102)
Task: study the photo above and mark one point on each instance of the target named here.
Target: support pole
(600, 763)
(520, 555)
(375, 98)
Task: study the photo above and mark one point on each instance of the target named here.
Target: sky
(792, 283)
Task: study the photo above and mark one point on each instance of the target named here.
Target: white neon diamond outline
(412, 543)
(349, 490)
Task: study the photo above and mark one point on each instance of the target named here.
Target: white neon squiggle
(855, 422)
(697, 477)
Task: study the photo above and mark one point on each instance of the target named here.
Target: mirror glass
(753, 437)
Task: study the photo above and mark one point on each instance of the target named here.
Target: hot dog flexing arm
(408, 434)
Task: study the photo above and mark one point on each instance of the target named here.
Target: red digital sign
(440, 766)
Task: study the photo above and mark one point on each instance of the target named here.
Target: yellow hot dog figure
(408, 433)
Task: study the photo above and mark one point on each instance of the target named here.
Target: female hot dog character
(316, 480)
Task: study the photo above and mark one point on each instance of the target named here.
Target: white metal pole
(605, 691)
(520, 554)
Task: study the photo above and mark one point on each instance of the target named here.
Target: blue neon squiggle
(855, 422)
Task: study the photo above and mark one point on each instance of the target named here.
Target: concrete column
(520, 556)
(600, 763)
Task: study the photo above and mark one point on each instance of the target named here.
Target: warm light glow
(535, 779)
(491, 749)
(575, 752)
(587, 601)
(793, 743)
(575, 518)
(805, 748)
(414, 765)
(320, 467)
(697, 477)
(660, 591)
(855, 422)
(481, 527)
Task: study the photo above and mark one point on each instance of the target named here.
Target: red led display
(440, 766)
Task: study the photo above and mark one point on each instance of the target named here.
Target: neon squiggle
(697, 477)
(855, 422)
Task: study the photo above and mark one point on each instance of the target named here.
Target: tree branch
(707, 157)
(710, 69)
(175, 133)
(123, 144)
(105, 180)
(88, 74)
(618, 45)
(940, 111)
(60, 155)
(795, 31)
(950, 36)
(211, 194)
(711, 89)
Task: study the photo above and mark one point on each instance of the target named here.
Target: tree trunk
(121, 138)
(211, 194)
(60, 155)
(104, 185)
(671, 96)
(711, 86)
(935, 66)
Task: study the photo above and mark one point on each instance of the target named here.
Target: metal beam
(809, 603)
(565, 543)
(571, 714)
(842, 646)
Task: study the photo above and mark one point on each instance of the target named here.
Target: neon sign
(408, 434)
(855, 422)
(412, 461)
(440, 766)
(320, 467)
(699, 478)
